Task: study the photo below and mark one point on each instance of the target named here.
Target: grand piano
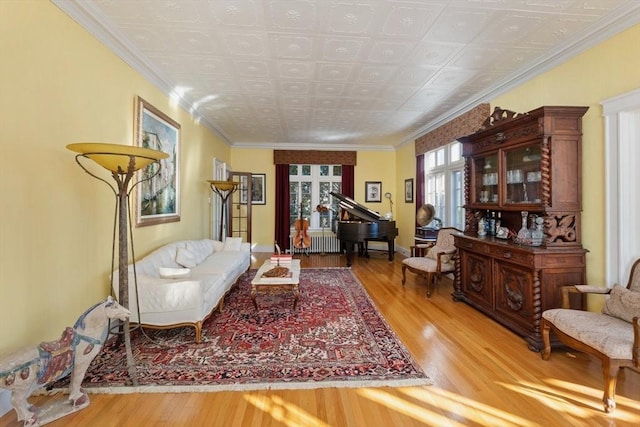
(362, 225)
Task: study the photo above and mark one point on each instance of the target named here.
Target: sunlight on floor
(486, 415)
(284, 412)
(407, 408)
(576, 400)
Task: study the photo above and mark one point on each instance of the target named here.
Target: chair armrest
(451, 253)
(591, 289)
(420, 249)
(580, 289)
(635, 353)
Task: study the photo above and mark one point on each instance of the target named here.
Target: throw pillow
(173, 273)
(622, 303)
(186, 258)
(217, 245)
(232, 244)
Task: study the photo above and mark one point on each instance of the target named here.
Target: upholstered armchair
(439, 259)
(613, 336)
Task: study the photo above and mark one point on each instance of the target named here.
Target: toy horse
(28, 369)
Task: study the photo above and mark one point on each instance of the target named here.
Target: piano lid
(355, 208)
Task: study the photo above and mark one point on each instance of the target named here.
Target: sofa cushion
(232, 244)
(622, 303)
(607, 334)
(200, 249)
(173, 273)
(186, 257)
(229, 264)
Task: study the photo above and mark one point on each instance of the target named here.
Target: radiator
(328, 244)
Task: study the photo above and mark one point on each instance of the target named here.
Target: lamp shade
(116, 157)
(223, 185)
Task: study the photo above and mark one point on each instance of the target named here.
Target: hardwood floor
(483, 375)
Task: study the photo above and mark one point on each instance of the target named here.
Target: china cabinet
(522, 239)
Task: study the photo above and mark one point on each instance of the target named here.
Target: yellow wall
(263, 216)
(405, 213)
(60, 85)
(606, 70)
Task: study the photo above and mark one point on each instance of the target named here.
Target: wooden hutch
(519, 163)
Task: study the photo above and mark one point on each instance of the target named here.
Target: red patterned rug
(335, 338)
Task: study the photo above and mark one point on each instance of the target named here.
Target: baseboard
(262, 248)
(5, 402)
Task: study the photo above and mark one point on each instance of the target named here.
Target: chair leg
(546, 342)
(404, 270)
(430, 277)
(610, 375)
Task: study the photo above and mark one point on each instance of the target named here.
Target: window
(309, 187)
(444, 183)
(622, 195)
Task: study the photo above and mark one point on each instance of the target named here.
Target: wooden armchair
(613, 336)
(440, 258)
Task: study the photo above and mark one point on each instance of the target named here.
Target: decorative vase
(537, 235)
(524, 235)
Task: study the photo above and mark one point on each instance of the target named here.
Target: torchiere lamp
(223, 189)
(122, 161)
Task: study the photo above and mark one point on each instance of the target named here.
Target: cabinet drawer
(469, 245)
(511, 254)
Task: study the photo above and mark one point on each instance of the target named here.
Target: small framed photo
(373, 191)
(408, 190)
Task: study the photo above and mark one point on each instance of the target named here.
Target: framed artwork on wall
(373, 191)
(408, 190)
(158, 198)
(258, 190)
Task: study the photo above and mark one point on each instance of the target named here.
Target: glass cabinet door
(523, 176)
(486, 179)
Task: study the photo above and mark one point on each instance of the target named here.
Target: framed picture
(408, 190)
(258, 192)
(158, 198)
(373, 191)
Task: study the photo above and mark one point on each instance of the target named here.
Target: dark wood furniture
(362, 225)
(518, 163)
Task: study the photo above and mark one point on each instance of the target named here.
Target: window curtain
(282, 228)
(420, 174)
(348, 185)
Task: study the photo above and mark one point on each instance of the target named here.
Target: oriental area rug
(334, 338)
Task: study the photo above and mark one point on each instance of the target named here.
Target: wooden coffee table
(273, 285)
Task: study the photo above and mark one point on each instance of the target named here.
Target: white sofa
(196, 276)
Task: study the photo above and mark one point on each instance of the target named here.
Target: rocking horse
(28, 369)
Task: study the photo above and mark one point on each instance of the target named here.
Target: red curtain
(282, 229)
(419, 181)
(348, 186)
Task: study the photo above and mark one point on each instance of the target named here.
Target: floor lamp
(122, 161)
(223, 189)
